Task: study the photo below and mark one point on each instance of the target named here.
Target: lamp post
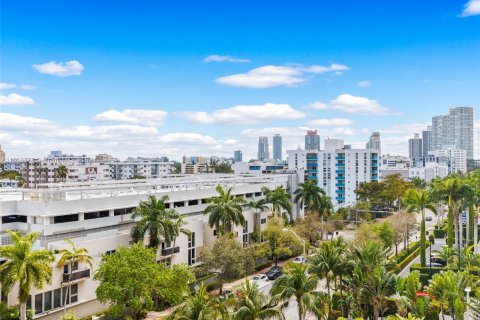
(299, 238)
(467, 290)
(430, 259)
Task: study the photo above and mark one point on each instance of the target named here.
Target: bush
(439, 233)
(69, 316)
(263, 265)
(403, 263)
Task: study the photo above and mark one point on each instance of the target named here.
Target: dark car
(274, 273)
(439, 260)
(435, 265)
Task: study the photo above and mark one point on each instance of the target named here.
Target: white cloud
(317, 106)
(245, 114)
(359, 105)
(5, 85)
(16, 122)
(334, 122)
(187, 138)
(139, 116)
(219, 58)
(471, 8)
(28, 87)
(364, 83)
(60, 69)
(408, 128)
(274, 76)
(14, 99)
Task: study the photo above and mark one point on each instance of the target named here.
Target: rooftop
(117, 188)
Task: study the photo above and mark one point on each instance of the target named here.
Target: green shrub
(263, 265)
(439, 233)
(69, 316)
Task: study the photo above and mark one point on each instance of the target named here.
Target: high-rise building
(237, 156)
(277, 147)
(263, 148)
(415, 146)
(374, 142)
(455, 130)
(426, 141)
(336, 170)
(312, 140)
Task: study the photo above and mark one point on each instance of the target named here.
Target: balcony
(340, 192)
(374, 157)
(340, 158)
(169, 251)
(340, 185)
(340, 198)
(340, 164)
(76, 275)
(312, 177)
(340, 171)
(312, 170)
(374, 171)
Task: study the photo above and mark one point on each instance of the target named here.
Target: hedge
(439, 233)
(403, 263)
(426, 269)
(264, 265)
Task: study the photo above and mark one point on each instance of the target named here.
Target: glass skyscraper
(277, 147)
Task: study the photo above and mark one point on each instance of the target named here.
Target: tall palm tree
(69, 257)
(62, 172)
(295, 282)
(252, 304)
(419, 183)
(155, 221)
(279, 199)
(199, 306)
(324, 207)
(308, 194)
(177, 228)
(325, 263)
(257, 205)
(225, 211)
(418, 201)
(30, 268)
(451, 190)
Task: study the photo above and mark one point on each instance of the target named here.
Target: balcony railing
(169, 251)
(76, 275)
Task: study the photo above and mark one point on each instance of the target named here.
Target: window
(258, 194)
(119, 212)
(263, 220)
(96, 215)
(39, 303)
(47, 301)
(191, 249)
(204, 201)
(14, 218)
(245, 234)
(73, 293)
(179, 204)
(192, 202)
(65, 218)
(109, 252)
(215, 232)
(57, 298)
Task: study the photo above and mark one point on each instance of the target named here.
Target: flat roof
(114, 188)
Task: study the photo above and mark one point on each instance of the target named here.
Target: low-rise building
(97, 216)
(259, 167)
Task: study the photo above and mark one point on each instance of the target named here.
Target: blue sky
(150, 78)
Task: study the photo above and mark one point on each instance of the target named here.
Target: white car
(300, 260)
(259, 278)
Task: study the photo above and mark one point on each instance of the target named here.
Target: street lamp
(467, 290)
(299, 238)
(430, 259)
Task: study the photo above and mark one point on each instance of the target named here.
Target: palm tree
(295, 282)
(30, 268)
(419, 183)
(199, 307)
(258, 205)
(69, 257)
(451, 190)
(252, 304)
(62, 172)
(448, 289)
(225, 211)
(279, 199)
(177, 228)
(418, 201)
(155, 220)
(324, 206)
(447, 254)
(380, 285)
(308, 194)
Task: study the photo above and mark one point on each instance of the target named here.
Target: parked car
(274, 273)
(435, 265)
(439, 261)
(259, 278)
(428, 218)
(300, 259)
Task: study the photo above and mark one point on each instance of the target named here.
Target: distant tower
(263, 148)
(2, 155)
(374, 142)
(277, 147)
(312, 140)
(237, 156)
(415, 147)
(426, 141)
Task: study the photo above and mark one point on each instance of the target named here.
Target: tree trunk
(423, 239)
(300, 309)
(220, 292)
(450, 222)
(68, 288)
(173, 251)
(471, 223)
(23, 310)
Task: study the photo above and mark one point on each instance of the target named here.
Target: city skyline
(108, 85)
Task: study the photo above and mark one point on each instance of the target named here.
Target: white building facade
(337, 170)
(97, 216)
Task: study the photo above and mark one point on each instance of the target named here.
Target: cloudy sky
(151, 78)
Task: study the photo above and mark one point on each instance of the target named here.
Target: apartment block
(337, 170)
(96, 215)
